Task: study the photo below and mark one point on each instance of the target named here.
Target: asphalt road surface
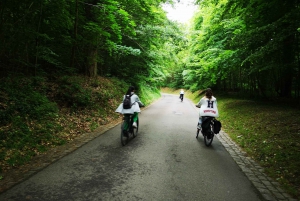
(164, 162)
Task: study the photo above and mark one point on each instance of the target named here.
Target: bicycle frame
(128, 119)
(129, 131)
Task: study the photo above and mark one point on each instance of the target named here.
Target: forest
(65, 61)
(247, 46)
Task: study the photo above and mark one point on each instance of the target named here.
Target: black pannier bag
(217, 126)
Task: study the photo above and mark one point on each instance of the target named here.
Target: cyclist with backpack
(131, 105)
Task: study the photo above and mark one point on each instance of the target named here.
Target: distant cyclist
(181, 94)
(135, 108)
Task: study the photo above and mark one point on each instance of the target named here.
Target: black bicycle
(181, 97)
(207, 130)
(127, 130)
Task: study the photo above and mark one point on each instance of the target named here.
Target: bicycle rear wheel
(208, 137)
(124, 135)
(135, 130)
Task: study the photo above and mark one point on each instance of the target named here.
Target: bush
(27, 119)
(72, 93)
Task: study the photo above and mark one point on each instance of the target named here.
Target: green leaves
(246, 45)
(123, 50)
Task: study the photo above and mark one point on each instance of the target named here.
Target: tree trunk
(74, 37)
(92, 62)
(288, 67)
(92, 55)
(37, 40)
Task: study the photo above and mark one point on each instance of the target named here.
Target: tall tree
(248, 45)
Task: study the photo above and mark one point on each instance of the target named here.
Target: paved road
(164, 162)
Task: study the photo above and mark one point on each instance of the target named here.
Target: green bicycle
(127, 130)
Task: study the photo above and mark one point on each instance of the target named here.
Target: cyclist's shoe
(199, 126)
(134, 125)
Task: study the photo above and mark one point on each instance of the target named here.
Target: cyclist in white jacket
(135, 108)
(208, 106)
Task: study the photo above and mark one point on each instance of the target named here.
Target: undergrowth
(28, 121)
(37, 114)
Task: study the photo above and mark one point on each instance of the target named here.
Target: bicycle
(207, 130)
(129, 132)
(181, 97)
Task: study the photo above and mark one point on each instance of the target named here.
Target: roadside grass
(268, 131)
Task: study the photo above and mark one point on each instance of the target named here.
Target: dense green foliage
(250, 46)
(91, 37)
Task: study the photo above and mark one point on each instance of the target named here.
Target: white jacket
(136, 103)
(208, 107)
